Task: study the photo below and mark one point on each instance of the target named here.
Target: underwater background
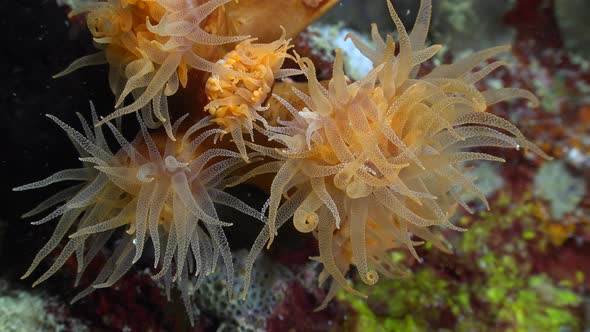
(524, 265)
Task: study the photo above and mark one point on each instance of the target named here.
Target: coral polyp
(382, 155)
(149, 46)
(165, 193)
(236, 102)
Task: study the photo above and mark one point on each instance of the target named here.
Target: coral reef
(374, 156)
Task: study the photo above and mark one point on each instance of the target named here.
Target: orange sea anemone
(150, 45)
(235, 102)
(159, 190)
(382, 155)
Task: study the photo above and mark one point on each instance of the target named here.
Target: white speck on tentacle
(173, 165)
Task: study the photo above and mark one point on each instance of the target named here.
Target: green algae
(488, 284)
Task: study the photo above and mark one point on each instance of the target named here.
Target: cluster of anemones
(367, 167)
(150, 46)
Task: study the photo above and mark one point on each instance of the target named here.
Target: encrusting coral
(367, 167)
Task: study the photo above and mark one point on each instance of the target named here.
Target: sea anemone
(236, 101)
(368, 164)
(163, 192)
(150, 45)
